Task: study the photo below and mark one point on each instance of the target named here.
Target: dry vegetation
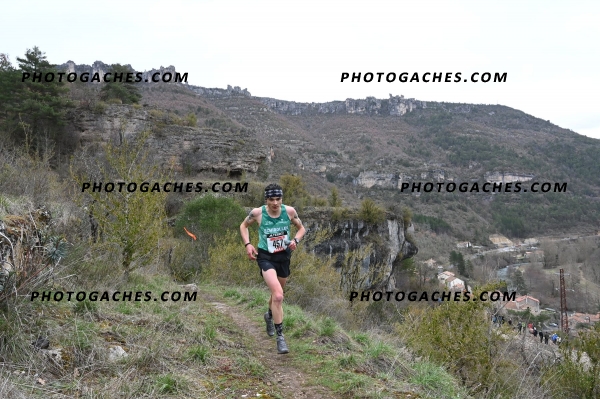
(177, 349)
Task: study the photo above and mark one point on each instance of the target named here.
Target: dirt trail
(282, 374)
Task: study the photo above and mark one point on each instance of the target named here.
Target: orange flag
(190, 234)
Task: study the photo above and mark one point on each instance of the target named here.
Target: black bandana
(274, 193)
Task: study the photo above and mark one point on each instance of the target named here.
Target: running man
(274, 252)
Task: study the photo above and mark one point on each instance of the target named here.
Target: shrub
(438, 225)
(334, 198)
(294, 191)
(100, 107)
(340, 214)
(578, 374)
(457, 334)
(191, 119)
(130, 223)
(210, 217)
(370, 212)
(227, 261)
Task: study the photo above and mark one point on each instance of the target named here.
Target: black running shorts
(279, 262)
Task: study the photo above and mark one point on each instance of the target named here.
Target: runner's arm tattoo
(250, 218)
(296, 220)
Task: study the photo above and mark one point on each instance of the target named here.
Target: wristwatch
(297, 241)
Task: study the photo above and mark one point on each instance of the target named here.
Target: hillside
(57, 237)
(212, 347)
(368, 153)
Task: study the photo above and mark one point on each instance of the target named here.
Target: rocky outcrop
(101, 69)
(215, 92)
(395, 106)
(507, 177)
(371, 178)
(365, 254)
(192, 149)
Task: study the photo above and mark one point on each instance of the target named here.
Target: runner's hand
(251, 252)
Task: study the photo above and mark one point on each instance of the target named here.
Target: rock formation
(101, 68)
(365, 254)
(191, 148)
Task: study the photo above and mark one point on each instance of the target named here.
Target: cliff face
(371, 178)
(101, 68)
(365, 254)
(395, 105)
(192, 149)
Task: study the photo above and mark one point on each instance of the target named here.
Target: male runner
(274, 251)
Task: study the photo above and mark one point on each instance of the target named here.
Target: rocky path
(282, 374)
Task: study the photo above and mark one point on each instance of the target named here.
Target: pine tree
(334, 198)
(9, 84)
(519, 282)
(44, 103)
(32, 107)
(120, 89)
(457, 259)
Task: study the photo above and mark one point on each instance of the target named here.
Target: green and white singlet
(273, 231)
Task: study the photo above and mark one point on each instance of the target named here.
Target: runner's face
(274, 203)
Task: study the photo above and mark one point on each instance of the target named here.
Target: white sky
(297, 50)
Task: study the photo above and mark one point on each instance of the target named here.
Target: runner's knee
(278, 297)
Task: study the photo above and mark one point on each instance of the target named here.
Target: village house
(583, 318)
(451, 282)
(443, 276)
(523, 303)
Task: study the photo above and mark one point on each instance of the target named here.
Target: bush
(437, 225)
(370, 212)
(578, 374)
(228, 262)
(131, 224)
(191, 120)
(187, 260)
(210, 217)
(458, 335)
(340, 214)
(294, 191)
(100, 107)
(334, 198)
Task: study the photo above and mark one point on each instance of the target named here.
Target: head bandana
(274, 193)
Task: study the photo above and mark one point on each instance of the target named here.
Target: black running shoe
(270, 325)
(281, 345)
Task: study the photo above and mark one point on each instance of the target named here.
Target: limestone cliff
(395, 105)
(101, 68)
(192, 149)
(365, 254)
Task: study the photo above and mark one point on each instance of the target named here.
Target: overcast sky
(298, 50)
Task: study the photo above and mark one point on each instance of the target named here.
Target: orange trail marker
(190, 234)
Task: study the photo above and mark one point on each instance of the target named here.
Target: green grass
(327, 327)
(378, 348)
(251, 366)
(434, 379)
(199, 353)
(85, 306)
(361, 338)
(168, 384)
(186, 350)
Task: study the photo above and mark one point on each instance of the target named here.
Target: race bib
(275, 241)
